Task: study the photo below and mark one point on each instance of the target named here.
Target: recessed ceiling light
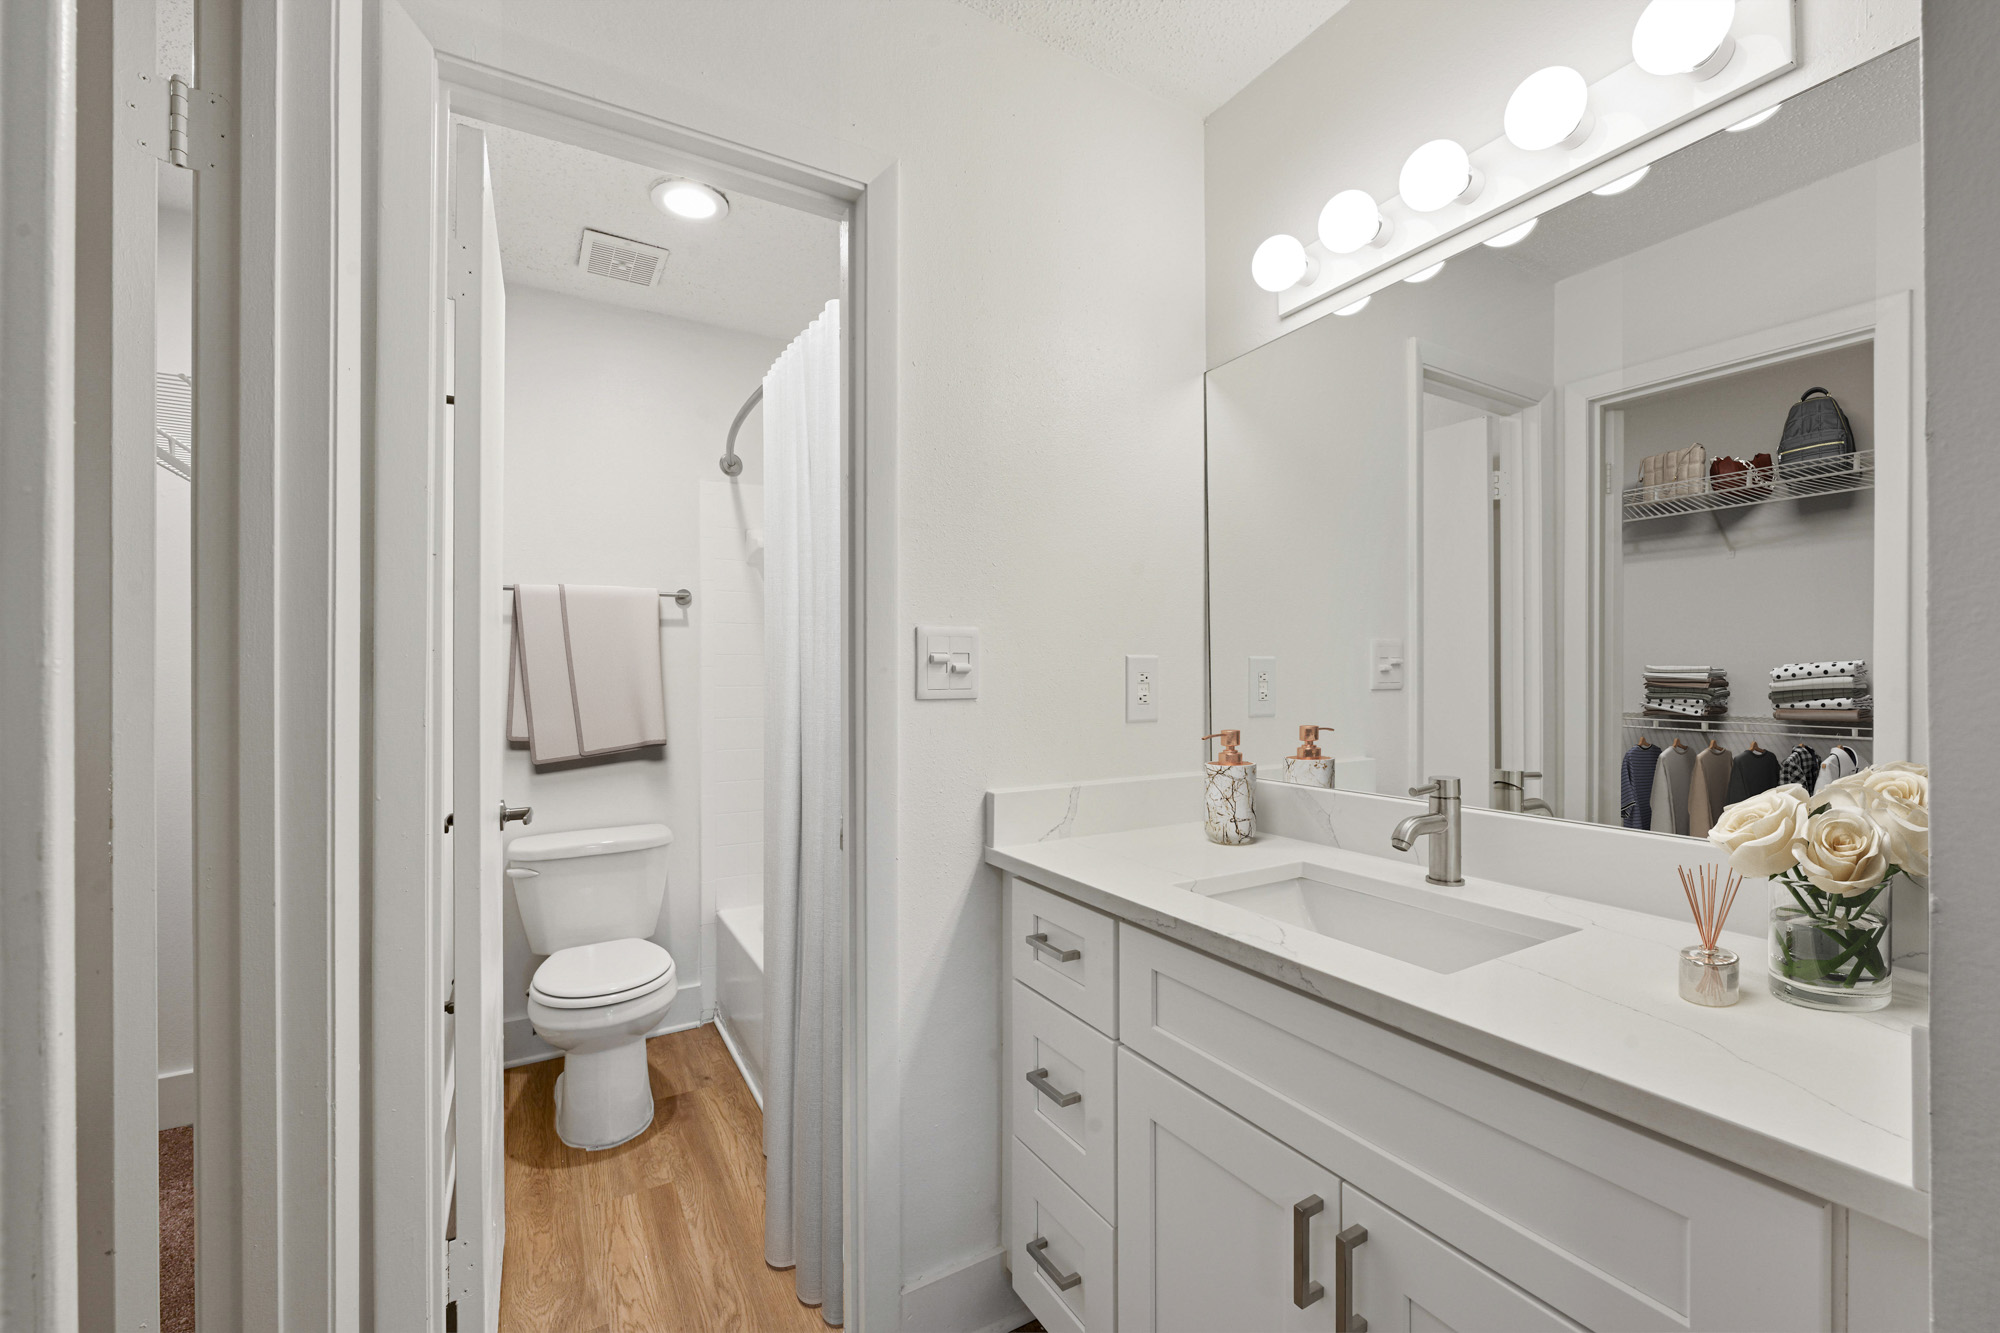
(1623, 183)
(1426, 274)
(1356, 308)
(1752, 121)
(1684, 37)
(689, 199)
(1437, 174)
(1513, 235)
(1551, 109)
(1280, 263)
(1350, 220)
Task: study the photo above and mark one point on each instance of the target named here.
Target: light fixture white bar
(1630, 107)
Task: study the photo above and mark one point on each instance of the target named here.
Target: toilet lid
(593, 974)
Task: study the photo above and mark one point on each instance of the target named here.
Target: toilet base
(604, 1097)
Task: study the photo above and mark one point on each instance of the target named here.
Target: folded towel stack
(1687, 691)
(1821, 692)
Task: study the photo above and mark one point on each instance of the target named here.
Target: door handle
(1304, 1290)
(1064, 1281)
(1038, 1079)
(1040, 944)
(510, 813)
(1344, 1317)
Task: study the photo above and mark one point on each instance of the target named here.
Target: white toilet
(589, 899)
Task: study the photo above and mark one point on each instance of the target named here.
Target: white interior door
(1458, 586)
(479, 674)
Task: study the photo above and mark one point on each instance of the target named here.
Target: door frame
(872, 1092)
(1592, 528)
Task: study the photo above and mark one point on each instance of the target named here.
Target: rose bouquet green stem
(1829, 940)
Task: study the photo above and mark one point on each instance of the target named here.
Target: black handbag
(1817, 436)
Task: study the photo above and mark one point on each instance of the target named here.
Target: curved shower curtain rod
(731, 465)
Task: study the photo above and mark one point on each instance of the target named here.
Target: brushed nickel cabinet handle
(1304, 1290)
(1038, 1079)
(1040, 944)
(1344, 1317)
(1064, 1281)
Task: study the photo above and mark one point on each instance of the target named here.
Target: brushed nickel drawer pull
(1040, 944)
(1064, 1281)
(1344, 1317)
(1038, 1079)
(1304, 1290)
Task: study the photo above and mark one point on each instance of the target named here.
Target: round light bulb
(1684, 37)
(1350, 220)
(1281, 262)
(1623, 183)
(1513, 235)
(689, 199)
(1551, 109)
(1756, 118)
(1437, 174)
(1356, 308)
(1426, 274)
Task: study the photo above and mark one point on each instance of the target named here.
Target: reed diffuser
(1709, 971)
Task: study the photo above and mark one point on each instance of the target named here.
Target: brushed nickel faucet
(1441, 825)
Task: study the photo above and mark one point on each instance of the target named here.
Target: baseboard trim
(975, 1297)
(523, 1047)
(177, 1099)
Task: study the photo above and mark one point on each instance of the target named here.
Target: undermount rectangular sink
(1429, 928)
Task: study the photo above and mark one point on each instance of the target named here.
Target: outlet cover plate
(1142, 688)
(1263, 687)
(947, 662)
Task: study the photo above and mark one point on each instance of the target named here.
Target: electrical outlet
(1263, 687)
(1142, 688)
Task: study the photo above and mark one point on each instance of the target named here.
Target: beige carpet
(177, 1230)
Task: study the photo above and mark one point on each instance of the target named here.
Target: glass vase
(1827, 951)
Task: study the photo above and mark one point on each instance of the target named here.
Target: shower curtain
(805, 902)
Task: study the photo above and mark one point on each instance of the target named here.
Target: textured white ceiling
(763, 269)
(1197, 52)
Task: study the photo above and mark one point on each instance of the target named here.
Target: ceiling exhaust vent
(615, 257)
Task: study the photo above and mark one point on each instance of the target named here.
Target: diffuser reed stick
(1708, 973)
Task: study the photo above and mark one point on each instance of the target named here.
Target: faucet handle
(1443, 788)
(1431, 790)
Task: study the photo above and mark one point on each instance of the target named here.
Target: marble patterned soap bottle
(1231, 808)
(1308, 767)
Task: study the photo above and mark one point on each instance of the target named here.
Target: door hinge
(178, 92)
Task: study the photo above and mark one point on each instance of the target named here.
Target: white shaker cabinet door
(1408, 1281)
(1208, 1206)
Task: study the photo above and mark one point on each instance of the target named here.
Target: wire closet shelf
(1752, 726)
(1758, 486)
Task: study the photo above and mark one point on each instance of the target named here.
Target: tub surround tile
(1820, 1101)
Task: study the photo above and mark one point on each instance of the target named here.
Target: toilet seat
(591, 976)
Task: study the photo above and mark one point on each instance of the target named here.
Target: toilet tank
(589, 885)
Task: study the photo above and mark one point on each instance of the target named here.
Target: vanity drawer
(1068, 1276)
(1055, 1057)
(1611, 1226)
(1068, 952)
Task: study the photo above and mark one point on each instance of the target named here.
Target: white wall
(613, 418)
(1049, 332)
(1962, 233)
(1346, 105)
(732, 700)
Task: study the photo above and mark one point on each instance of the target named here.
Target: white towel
(585, 677)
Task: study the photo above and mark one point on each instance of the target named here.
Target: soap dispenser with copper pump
(1231, 811)
(1308, 767)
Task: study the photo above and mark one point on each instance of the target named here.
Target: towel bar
(681, 596)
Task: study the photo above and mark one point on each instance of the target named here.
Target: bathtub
(739, 991)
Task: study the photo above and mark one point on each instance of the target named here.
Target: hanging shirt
(1801, 766)
(1840, 762)
(1635, 785)
(1753, 771)
(1708, 791)
(1670, 790)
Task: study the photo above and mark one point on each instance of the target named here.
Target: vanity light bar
(1688, 56)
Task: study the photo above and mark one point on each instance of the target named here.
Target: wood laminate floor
(659, 1235)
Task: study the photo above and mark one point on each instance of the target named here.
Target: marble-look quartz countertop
(1819, 1101)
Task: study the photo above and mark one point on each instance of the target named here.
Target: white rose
(1758, 833)
(1898, 798)
(1841, 851)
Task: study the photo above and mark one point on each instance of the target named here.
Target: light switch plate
(1385, 664)
(947, 662)
(1142, 688)
(1263, 687)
